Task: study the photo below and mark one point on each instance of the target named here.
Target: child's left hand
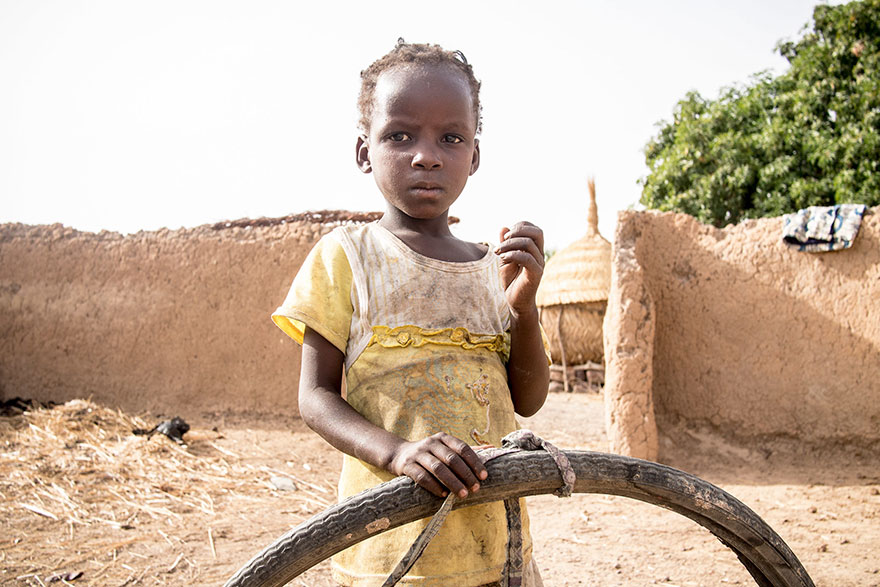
(522, 264)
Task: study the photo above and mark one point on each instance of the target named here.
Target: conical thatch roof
(581, 272)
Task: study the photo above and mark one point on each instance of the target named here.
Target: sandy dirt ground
(85, 502)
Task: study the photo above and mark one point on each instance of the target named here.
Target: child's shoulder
(357, 230)
(371, 239)
(345, 236)
(461, 251)
(355, 241)
(479, 249)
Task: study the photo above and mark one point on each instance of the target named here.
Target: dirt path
(128, 517)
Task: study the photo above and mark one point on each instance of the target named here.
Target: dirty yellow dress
(425, 344)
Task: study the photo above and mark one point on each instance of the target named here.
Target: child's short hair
(416, 54)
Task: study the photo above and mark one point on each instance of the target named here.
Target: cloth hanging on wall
(819, 229)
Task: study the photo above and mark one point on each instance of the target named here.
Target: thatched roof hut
(574, 292)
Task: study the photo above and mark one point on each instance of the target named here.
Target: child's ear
(475, 160)
(362, 154)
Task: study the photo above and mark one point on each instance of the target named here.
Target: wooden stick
(174, 564)
(223, 450)
(39, 511)
(562, 349)
(165, 536)
(211, 542)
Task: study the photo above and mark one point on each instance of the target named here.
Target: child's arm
(522, 264)
(438, 463)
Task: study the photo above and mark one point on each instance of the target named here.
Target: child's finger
(440, 469)
(466, 453)
(524, 229)
(424, 479)
(463, 471)
(460, 459)
(520, 243)
(524, 259)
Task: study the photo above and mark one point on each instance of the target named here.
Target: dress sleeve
(320, 296)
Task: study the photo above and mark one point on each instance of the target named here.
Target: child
(439, 337)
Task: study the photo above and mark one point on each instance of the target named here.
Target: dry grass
(75, 476)
(80, 494)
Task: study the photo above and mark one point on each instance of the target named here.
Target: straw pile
(78, 467)
(574, 292)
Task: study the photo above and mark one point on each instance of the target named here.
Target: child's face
(421, 147)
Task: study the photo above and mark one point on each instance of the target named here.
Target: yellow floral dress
(425, 344)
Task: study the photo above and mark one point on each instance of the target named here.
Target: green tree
(808, 137)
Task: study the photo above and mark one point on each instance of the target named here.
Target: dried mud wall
(175, 322)
(731, 329)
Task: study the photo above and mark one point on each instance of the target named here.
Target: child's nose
(426, 157)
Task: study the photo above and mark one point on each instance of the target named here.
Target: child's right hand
(440, 463)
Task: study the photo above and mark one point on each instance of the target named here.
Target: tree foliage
(808, 137)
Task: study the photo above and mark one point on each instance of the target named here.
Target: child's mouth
(426, 189)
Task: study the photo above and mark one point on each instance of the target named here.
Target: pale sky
(128, 116)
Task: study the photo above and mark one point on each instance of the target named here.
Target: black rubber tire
(764, 554)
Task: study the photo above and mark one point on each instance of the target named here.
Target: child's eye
(398, 137)
(452, 139)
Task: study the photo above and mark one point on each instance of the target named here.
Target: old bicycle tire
(764, 554)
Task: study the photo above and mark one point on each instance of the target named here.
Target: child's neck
(430, 237)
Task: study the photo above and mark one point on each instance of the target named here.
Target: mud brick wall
(729, 328)
(167, 321)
